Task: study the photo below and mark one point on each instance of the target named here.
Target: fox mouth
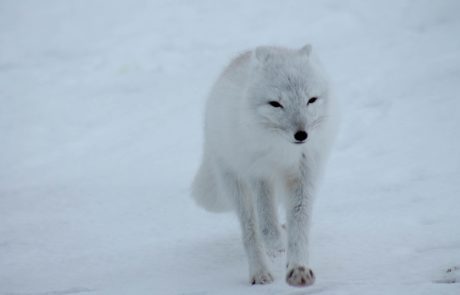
(299, 142)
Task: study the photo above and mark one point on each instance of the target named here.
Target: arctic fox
(269, 123)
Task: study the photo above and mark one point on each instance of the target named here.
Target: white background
(101, 107)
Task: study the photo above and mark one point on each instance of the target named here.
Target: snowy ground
(100, 133)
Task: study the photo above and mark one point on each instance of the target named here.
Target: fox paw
(261, 278)
(300, 276)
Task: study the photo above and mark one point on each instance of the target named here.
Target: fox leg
(268, 217)
(242, 198)
(299, 207)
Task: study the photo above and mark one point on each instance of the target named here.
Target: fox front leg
(243, 201)
(267, 217)
(299, 207)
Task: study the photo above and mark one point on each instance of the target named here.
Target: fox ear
(262, 54)
(306, 50)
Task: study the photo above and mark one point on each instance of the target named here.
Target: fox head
(287, 92)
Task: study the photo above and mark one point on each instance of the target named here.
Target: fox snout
(300, 136)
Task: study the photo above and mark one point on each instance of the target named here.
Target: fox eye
(275, 104)
(312, 100)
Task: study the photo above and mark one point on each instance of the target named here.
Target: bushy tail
(205, 190)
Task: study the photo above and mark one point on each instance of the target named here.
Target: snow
(101, 131)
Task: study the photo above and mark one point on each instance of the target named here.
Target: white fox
(269, 123)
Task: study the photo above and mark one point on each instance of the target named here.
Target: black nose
(300, 135)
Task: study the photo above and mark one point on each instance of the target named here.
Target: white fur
(250, 149)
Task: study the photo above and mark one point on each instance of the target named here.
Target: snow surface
(101, 108)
